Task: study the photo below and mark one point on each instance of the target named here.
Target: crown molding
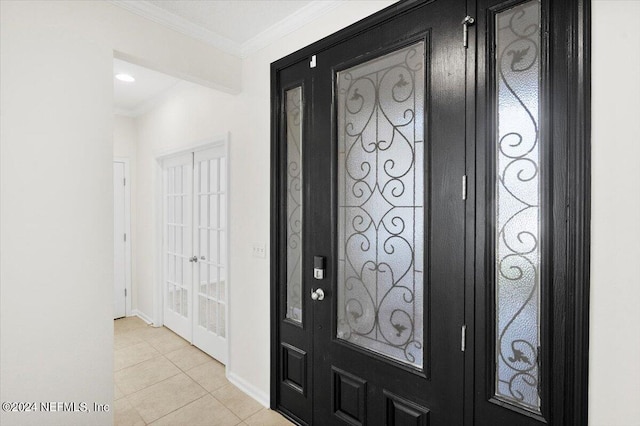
(290, 23)
(179, 24)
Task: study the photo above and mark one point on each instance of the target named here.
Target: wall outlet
(259, 250)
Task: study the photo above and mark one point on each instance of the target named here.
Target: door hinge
(125, 238)
(464, 187)
(125, 292)
(124, 181)
(312, 63)
(463, 337)
(466, 22)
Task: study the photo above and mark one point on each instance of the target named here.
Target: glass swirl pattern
(517, 249)
(293, 112)
(380, 118)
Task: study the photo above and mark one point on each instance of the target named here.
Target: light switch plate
(259, 250)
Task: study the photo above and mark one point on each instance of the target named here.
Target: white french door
(178, 270)
(195, 249)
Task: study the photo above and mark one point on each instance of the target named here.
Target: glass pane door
(210, 248)
(380, 107)
(177, 243)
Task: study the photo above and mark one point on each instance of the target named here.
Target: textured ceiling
(238, 20)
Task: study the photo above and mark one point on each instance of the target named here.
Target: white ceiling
(150, 87)
(240, 27)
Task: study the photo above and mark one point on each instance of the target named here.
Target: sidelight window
(517, 204)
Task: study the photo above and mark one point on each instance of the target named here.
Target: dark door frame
(568, 108)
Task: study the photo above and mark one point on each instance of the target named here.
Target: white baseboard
(249, 389)
(141, 315)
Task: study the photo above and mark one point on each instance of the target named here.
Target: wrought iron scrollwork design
(293, 110)
(381, 107)
(518, 204)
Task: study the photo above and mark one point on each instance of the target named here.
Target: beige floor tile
(150, 333)
(166, 343)
(210, 375)
(206, 411)
(117, 393)
(162, 398)
(126, 357)
(188, 357)
(267, 417)
(127, 324)
(125, 339)
(237, 401)
(144, 374)
(125, 415)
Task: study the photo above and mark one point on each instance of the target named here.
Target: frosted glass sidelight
(517, 206)
(380, 204)
(293, 111)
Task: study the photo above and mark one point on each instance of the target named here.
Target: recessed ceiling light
(125, 77)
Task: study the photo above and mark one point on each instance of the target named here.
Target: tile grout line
(138, 363)
(185, 372)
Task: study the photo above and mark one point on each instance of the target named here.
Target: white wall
(614, 388)
(197, 114)
(125, 145)
(56, 206)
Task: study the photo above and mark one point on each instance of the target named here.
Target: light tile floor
(161, 380)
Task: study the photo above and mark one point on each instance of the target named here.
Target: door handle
(466, 22)
(317, 294)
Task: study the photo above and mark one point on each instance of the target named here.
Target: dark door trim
(569, 79)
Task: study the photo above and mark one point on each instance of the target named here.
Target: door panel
(210, 290)
(178, 182)
(420, 213)
(383, 154)
(119, 255)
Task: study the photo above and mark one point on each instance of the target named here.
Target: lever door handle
(317, 294)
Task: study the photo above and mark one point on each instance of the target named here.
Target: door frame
(158, 291)
(569, 70)
(566, 108)
(127, 228)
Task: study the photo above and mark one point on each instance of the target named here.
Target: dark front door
(375, 161)
(429, 200)
(387, 212)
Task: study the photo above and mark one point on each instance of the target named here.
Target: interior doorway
(195, 283)
(121, 238)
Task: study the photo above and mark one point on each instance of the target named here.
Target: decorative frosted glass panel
(380, 213)
(518, 205)
(293, 110)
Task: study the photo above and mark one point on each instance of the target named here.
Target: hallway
(160, 379)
